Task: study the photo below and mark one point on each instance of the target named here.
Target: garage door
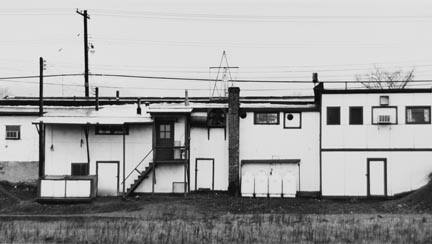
(270, 178)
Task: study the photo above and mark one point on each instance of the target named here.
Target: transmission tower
(223, 77)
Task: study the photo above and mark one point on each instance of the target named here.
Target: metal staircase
(142, 175)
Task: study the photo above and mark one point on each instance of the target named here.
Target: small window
(356, 115)
(111, 130)
(292, 120)
(266, 118)
(333, 115)
(13, 132)
(418, 115)
(164, 131)
(384, 100)
(79, 169)
(216, 118)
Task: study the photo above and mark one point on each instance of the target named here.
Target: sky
(267, 40)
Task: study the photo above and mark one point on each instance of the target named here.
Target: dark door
(164, 141)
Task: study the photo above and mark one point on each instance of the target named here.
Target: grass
(238, 228)
(215, 218)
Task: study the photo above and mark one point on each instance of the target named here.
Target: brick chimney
(233, 140)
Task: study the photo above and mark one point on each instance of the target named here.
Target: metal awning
(68, 120)
(271, 161)
(170, 110)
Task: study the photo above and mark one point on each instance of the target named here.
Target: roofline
(19, 113)
(366, 91)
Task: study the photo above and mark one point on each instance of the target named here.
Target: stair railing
(136, 168)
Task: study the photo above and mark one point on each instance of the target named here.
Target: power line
(199, 79)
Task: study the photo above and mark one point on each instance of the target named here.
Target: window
(356, 115)
(111, 130)
(79, 169)
(165, 131)
(266, 118)
(292, 120)
(13, 132)
(333, 115)
(384, 100)
(418, 115)
(216, 118)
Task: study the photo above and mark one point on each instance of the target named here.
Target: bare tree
(382, 79)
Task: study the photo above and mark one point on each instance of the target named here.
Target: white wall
(25, 149)
(367, 135)
(217, 148)
(344, 173)
(165, 176)
(275, 142)
(69, 146)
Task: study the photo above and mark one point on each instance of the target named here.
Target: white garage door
(264, 178)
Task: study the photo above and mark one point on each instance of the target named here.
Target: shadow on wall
(19, 171)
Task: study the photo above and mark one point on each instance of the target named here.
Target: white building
(375, 142)
(338, 143)
(18, 144)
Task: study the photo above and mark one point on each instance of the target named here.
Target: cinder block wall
(19, 171)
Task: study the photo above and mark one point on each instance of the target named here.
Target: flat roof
(69, 120)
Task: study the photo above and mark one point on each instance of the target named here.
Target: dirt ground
(19, 199)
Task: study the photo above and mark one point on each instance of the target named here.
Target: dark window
(216, 118)
(266, 118)
(13, 132)
(333, 115)
(79, 169)
(111, 130)
(356, 115)
(418, 115)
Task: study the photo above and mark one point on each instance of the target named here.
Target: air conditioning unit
(384, 119)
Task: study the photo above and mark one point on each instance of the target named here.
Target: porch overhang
(170, 110)
(67, 120)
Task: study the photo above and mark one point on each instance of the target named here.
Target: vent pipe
(186, 98)
(139, 106)
(97, 99)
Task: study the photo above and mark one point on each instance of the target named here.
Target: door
(107, 178)
(377, 177)
(204, 173)
(165, 141)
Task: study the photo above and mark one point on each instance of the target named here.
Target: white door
(107, 175)
(204, 175)
(377, 177)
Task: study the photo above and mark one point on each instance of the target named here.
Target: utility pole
(41, 127)
(86, 69)
(41, 102)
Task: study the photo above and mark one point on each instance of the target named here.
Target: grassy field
(238, 228)
(215, 218)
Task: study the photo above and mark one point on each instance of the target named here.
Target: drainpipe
(97, 99)
(233, 140)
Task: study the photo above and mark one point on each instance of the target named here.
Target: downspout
(124, 160)
(86, 134)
